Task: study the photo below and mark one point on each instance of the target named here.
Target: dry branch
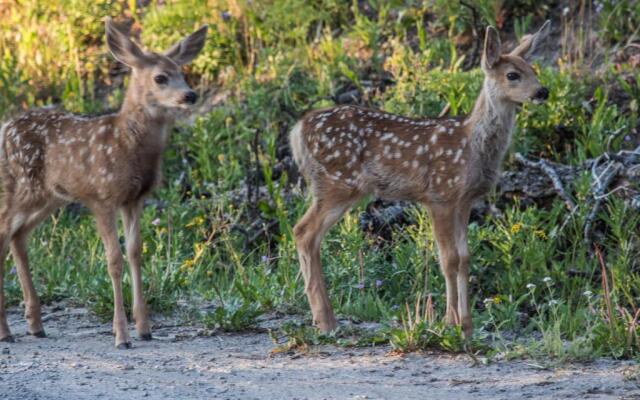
(551, 173)
(607, 168)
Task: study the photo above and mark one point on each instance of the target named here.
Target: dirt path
(77, 361)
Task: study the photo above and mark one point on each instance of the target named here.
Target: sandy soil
(78, 361)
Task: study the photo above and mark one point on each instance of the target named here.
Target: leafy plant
(233, 316)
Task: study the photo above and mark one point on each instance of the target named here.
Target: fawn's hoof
(145, 336)
(124, 346)
(39, 334)
(468, 332)
(327, 327)
(8, 339)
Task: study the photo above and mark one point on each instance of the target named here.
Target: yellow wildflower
(541, 234)
(199, 250)
(221, 157)
(197, 221)
(187, 265)
(516, 228)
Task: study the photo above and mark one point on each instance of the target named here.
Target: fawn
(348, 152)
(108, 163)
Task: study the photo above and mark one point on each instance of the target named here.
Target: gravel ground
(77, 361)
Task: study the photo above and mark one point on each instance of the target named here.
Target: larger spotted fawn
(348, 152)
(109, 163)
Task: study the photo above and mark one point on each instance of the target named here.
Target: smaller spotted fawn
(348, 152)
(109, 163)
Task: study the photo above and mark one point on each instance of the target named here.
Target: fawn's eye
(512, 76)
(161, 79)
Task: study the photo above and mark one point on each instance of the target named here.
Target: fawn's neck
(143, 124)
(493, 123)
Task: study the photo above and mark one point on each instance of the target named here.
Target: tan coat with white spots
(109, 163)
(53, 156)
(387, 155)
(348, 152)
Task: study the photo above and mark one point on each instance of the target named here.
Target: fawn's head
(511, 74)
(156, 79)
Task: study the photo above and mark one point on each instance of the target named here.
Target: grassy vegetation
(220, 229)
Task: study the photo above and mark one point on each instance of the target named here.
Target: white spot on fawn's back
(457, 156)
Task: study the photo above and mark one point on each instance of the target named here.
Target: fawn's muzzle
(190, 97)
(542, 94)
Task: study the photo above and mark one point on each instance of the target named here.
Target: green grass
(533, 278)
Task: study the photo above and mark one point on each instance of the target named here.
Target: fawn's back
(391, 156)
(49, 153)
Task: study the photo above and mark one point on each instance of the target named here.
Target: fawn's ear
(492, 48)
(123, 48)
(529, 43)
(188, 48)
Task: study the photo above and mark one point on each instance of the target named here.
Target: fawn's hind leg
(309, 231)
(7, 217)
(5, 333)
(19, 239)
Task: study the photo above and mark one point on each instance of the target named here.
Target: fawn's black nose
(542, 94)
(191, 97)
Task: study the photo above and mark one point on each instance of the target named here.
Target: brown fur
(49, 158)
(348, 152)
